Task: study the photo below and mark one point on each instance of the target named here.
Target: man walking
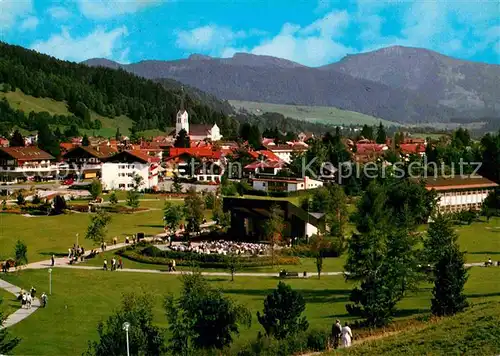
(105, 266)
(52, 261)
(336, 332)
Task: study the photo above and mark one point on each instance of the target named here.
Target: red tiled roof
(30, 153)
(195, 152)
(143, 156)
(412, 148)
(268, 154)
(365, 148)
(266, 164)
(67, 145)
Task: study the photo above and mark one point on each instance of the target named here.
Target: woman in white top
(346, 335)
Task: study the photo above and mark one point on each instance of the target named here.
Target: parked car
(68, 181)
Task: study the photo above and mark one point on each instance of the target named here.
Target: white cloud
(315, 44)
(59, 13)
(29, 24)
(99, 43)
(209, 37)
(105, 9)
(13, 10)
(447, 26)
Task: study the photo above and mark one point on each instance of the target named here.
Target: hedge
(153, 255)
(301, 343)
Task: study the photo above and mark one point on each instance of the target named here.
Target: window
(209, 178)
(201, 178)
(121, 185)
(130, 185)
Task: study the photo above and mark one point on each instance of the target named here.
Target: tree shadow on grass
(484, 253)
(310, 295)
(483, 295)
(57, 254)
(151, 225)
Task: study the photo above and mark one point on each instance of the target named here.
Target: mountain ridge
(401, 84)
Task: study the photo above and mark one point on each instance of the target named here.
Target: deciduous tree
(282, 314)
(21, 253)
(145, 338)
(202, 317)
(95, 188)
(193, 211)
(172, 216)
(273, 228)
(96, 230)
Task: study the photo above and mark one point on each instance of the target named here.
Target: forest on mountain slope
(107, 92)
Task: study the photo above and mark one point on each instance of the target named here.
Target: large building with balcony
(278, 184)
(86, 161)
(460, 193)
(119, 171)
(26, 163)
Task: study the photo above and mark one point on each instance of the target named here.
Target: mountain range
(401, 84)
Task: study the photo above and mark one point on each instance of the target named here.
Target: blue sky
(311, 32)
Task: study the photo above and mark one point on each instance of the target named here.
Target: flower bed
(153, 255)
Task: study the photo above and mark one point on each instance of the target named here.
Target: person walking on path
(23, 300)
(113, 264)
(346, 336)
(28, 301)
(336, 333)
(44, 299)
(105, 265)
(173, 265)
(120, 263)
(52, 260)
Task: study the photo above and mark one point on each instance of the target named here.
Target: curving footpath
(21, 313)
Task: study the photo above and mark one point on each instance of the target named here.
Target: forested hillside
(105, 91)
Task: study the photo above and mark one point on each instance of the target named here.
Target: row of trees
(384, 259)
(200, 321)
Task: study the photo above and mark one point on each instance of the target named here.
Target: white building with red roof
(21, 163)
(119, 170)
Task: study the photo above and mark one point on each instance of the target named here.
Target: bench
(285, 274)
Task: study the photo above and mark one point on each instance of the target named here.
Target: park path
(64, 261)
(20, 314)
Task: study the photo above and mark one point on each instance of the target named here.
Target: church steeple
(182, 122)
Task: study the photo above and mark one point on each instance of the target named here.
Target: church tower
(182, 119)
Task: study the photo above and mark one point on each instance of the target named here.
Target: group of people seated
(222, 247)
(491, 263)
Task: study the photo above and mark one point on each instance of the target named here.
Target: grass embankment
(9, 303)
(81, 298)
(27, 103)
(474, 332)
(320, 114)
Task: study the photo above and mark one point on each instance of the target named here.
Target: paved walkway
(20, 314)
(214, 274)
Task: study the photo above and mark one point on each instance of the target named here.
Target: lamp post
(77, 234)
(50, 281)
(126, 326)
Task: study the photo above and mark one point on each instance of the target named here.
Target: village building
(120, 170)
(249, 216)
(4, 142)
(26, 163)
(266, 167)
(86, 162)
(203, 164)
(278, 184)
(460, 193)
(286, 151)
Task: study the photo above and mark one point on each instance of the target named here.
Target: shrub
(152, 255)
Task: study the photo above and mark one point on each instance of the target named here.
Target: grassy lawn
(320, 114)
(474, 332)
(306, 264)
(45, 235)
(9, 303)
(481, 240)
(85, 297)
